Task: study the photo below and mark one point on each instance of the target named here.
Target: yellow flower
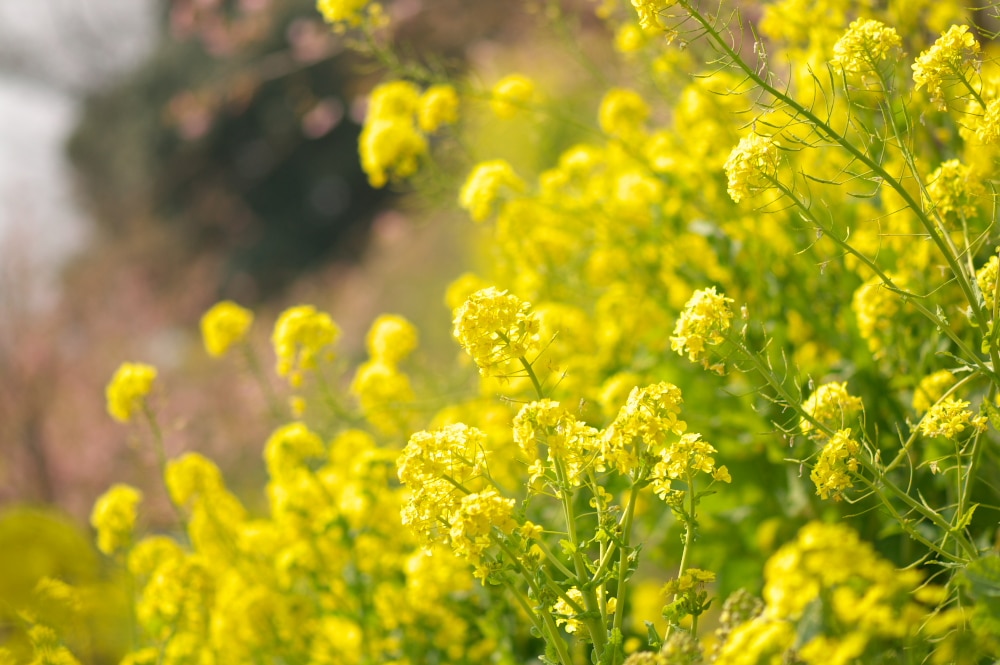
(949, 418)
(751, 166)
(949, 57)
(832, 406)
(128, 389)
(837, 460)
(300, 335)
(649, 11)
(495, 327)
(622, 113)
(289, 447)
(391, 339)
(224, 325)
(954, 188)
(342, 11)
(704, 321)
(114, 516)
(864, 45)
(484, 186)
(438, 106)
(511, 94)
(931, 389)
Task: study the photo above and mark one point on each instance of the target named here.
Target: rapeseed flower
(114, 517)
(223, 326)
(127, 391)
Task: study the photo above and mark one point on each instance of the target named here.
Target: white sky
(51, 53)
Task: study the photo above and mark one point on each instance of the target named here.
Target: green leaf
(653, 637)
(983, 576)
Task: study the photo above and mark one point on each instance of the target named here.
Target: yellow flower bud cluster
(342, 13)
(986, 277)
(874, 306)
(472, 528)
(864, 596)
(681, 460)
(949, 418)
(511, 94)
(649, 11)
(831, 405)
(301, 337)
(622, 113)
(949, 58)
(932, 388)
(751, 166)
(550, 436)
(987, 126)
(394, 137)
(485, 185)
(954, 188)
(496, 328)
(128, 389)
(384, 391)
(837, 460)
(705, 320)
(114, 517)
(865, 44)
(223, 326)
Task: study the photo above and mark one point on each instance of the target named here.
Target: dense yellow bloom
(192, 476)
(954, 188)
(391, 339)
(438, 106)
(546, 426)
(288, 448)
(495, 327)
(342, 11)
(300, 335)
(986, 277)
(622, 113)
(751, 166)
(472, 528)
(484, 186)
(949, 418)
(874, 306)
(832, 406)
(114, 516)
(650, 415)
(224, 325)
(931, 389)
(761, 641)
(511, 94)
(950, 57)
(681, 460)
(390, 143)
(837, 460)
(705, 320)
(385, 394)
(864, 45)
(128, 389)
(649, 11)
(48, 648)
(987, 126)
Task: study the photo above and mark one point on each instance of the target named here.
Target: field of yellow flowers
(726, 380)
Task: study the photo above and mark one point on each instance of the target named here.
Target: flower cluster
(486, 184)
(393, 139)
(875, 306)
(865, 44)
(987, 126)
(302, 335)
(495, 327)
(128, 388)
(837, 460)
(832, 406)
(752, 166)
(931, 389)
(548, 433)
(986, 277)
(622, 113)
(949, 58)
(511, 94)
(681, 460)
(649, 11)
(949, 418)
(383, 390)
(342, 13)
(705, 320)
(954, 188)
(114, 516)
(223, 326)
